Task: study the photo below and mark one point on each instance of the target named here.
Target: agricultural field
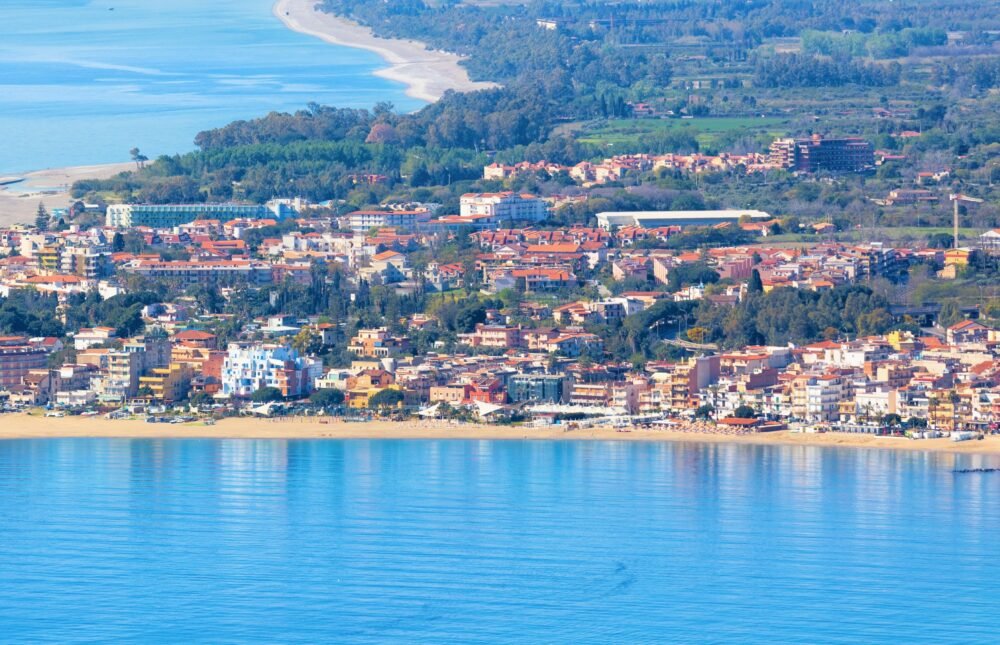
(707, 130)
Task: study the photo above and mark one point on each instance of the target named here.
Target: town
(186, 311)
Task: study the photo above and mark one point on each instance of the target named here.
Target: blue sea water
(475, 541)
(81, 83)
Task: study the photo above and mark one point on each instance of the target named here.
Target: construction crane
(956, 198)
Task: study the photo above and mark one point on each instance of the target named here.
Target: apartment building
(190, 273)
(377, 343)
(168, 384)
(365, 220)
(816, 398)
(248, 368)
(17, 359)
(849, 154)
(538, 388)
(504, 206)
(172, 215)
(120, 380)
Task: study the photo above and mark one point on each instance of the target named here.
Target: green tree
(745, 412)
(755, 285)
(42, 217)
(891, 419)
(949, 314)
(388, 398)
(199, 399)
(139, 158)
(327, 397)
(266, 394)
(307, 341)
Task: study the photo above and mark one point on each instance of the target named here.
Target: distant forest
(564, 64)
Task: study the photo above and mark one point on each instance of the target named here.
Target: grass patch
(706, 130)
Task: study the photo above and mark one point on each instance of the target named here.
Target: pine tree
(42, 217)
(755, 285)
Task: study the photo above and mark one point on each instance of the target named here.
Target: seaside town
(178, 312)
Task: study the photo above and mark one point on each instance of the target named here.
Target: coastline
(427, 73)
(23, 426)
(19, 201)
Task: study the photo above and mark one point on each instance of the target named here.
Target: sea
(184, 541)
(85, 81)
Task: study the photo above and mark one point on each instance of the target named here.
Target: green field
(880, 234)
(706, 130)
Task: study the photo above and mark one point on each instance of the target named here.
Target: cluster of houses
(553, 365)
(535, 260)
(616, 168)
(952, 382)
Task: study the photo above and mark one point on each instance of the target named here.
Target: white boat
(963, 436)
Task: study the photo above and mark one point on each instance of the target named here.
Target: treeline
(982, 73)
(34, 314)
(776, 318)
(795, 70)
(799, 316)
(875, 45)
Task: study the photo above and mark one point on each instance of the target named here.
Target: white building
(506, 206)
(363, 221)
(247, 369)
(94, 337)
(655, 219)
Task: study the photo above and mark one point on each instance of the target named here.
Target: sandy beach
(428, 74)
(19, 201)
(23, 426)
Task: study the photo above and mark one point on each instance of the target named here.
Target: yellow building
(48, 258)
(360, 398)
(168, 384)
(957, 257)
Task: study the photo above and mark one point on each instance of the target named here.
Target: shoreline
(427, 73)
(19, 201)
(23, 426)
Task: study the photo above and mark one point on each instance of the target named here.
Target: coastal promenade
(24, 426)
(427, 73)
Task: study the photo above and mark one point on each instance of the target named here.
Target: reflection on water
(360, 541)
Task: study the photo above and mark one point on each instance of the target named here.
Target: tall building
(121, 377)
(849, 154)
(168, 384)
(504, 207)
(85, 261)
(364, 221)
(171, 215)
(248, 368)
(17, 358)
(539, 388)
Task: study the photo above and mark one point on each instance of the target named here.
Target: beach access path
(24, 426)
(427, 73)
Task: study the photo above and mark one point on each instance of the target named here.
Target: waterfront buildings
(247, 368)
(171, 215)
(18, 358)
